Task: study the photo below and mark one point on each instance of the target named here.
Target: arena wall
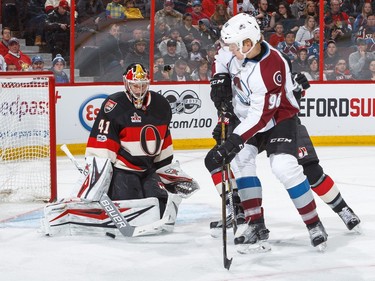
(335, 114)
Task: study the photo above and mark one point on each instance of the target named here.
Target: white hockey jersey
(262, 89)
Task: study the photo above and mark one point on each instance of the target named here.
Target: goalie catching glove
(177, 181)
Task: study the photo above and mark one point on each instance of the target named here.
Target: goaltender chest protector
(141, 132)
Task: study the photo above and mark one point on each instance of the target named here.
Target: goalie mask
(238, 29)
(137, 82)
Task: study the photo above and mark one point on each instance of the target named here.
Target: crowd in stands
(187, 32)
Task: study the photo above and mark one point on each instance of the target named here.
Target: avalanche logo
(188, 102)
(277, 78)
(90, 109)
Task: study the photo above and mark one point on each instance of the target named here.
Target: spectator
(352, 7)
(58, 30)
(6, 34)
(301, 64)
(58, 65)
(310, 10)
(51, 5)
(208, 34)
(195, 55)
(341, 71)
(298, 8)
(169, 15)
(197, 14)
(289, 47)
(265, 20)
(313, 71)
(137, 34)
(359, 60)
(337, 25)
(33, 17)
(285, 16)
(243, 6)
(3, 65)
(209, 6)
(159, 73)
(115, 10)
(220, 16)
(278, 36)
(139, 55)
(171, 56)
(306, 32)
(90, 12)
(112, 55)
(330, 58)
(37, 63)
(201, 73)
(174, 35)
(162, 31)
(11, 67)
(16, 57)
(210, 56)
(370, 73)
(131, 12)
(312, 45)
(187, 31)
(361, 26)
(180, 71)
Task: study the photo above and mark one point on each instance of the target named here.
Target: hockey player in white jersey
(264, 103)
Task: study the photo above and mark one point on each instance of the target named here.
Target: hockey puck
(110, 235)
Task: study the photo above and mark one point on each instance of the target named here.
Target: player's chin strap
(109, 207)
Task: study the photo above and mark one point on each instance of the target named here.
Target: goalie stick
(113, 212)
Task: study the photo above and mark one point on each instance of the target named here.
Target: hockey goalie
(129, 160)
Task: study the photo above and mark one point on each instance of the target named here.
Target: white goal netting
(26, 163)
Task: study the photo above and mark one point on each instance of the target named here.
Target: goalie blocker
(82, 214)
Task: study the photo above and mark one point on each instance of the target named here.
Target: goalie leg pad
(77, 217)
(171, 211)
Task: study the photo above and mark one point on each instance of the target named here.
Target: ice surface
(189, 253)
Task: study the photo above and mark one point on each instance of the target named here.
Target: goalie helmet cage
(27, 137)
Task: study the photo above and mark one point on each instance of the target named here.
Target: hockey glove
(221, 92)
(301, 81)
(228, 150)
(301, 84)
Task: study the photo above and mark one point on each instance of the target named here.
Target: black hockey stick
(227, 262)
(112, 211)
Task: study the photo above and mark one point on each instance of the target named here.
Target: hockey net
(27, 137)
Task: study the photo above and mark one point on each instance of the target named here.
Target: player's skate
(253, 238)
(318, 235)
(350, 219)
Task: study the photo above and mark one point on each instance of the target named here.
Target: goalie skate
(318, 236)
(350, 219)
(253, 238)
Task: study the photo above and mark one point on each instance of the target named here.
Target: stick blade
(227, 262)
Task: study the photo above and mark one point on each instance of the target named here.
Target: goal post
(27, 137)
